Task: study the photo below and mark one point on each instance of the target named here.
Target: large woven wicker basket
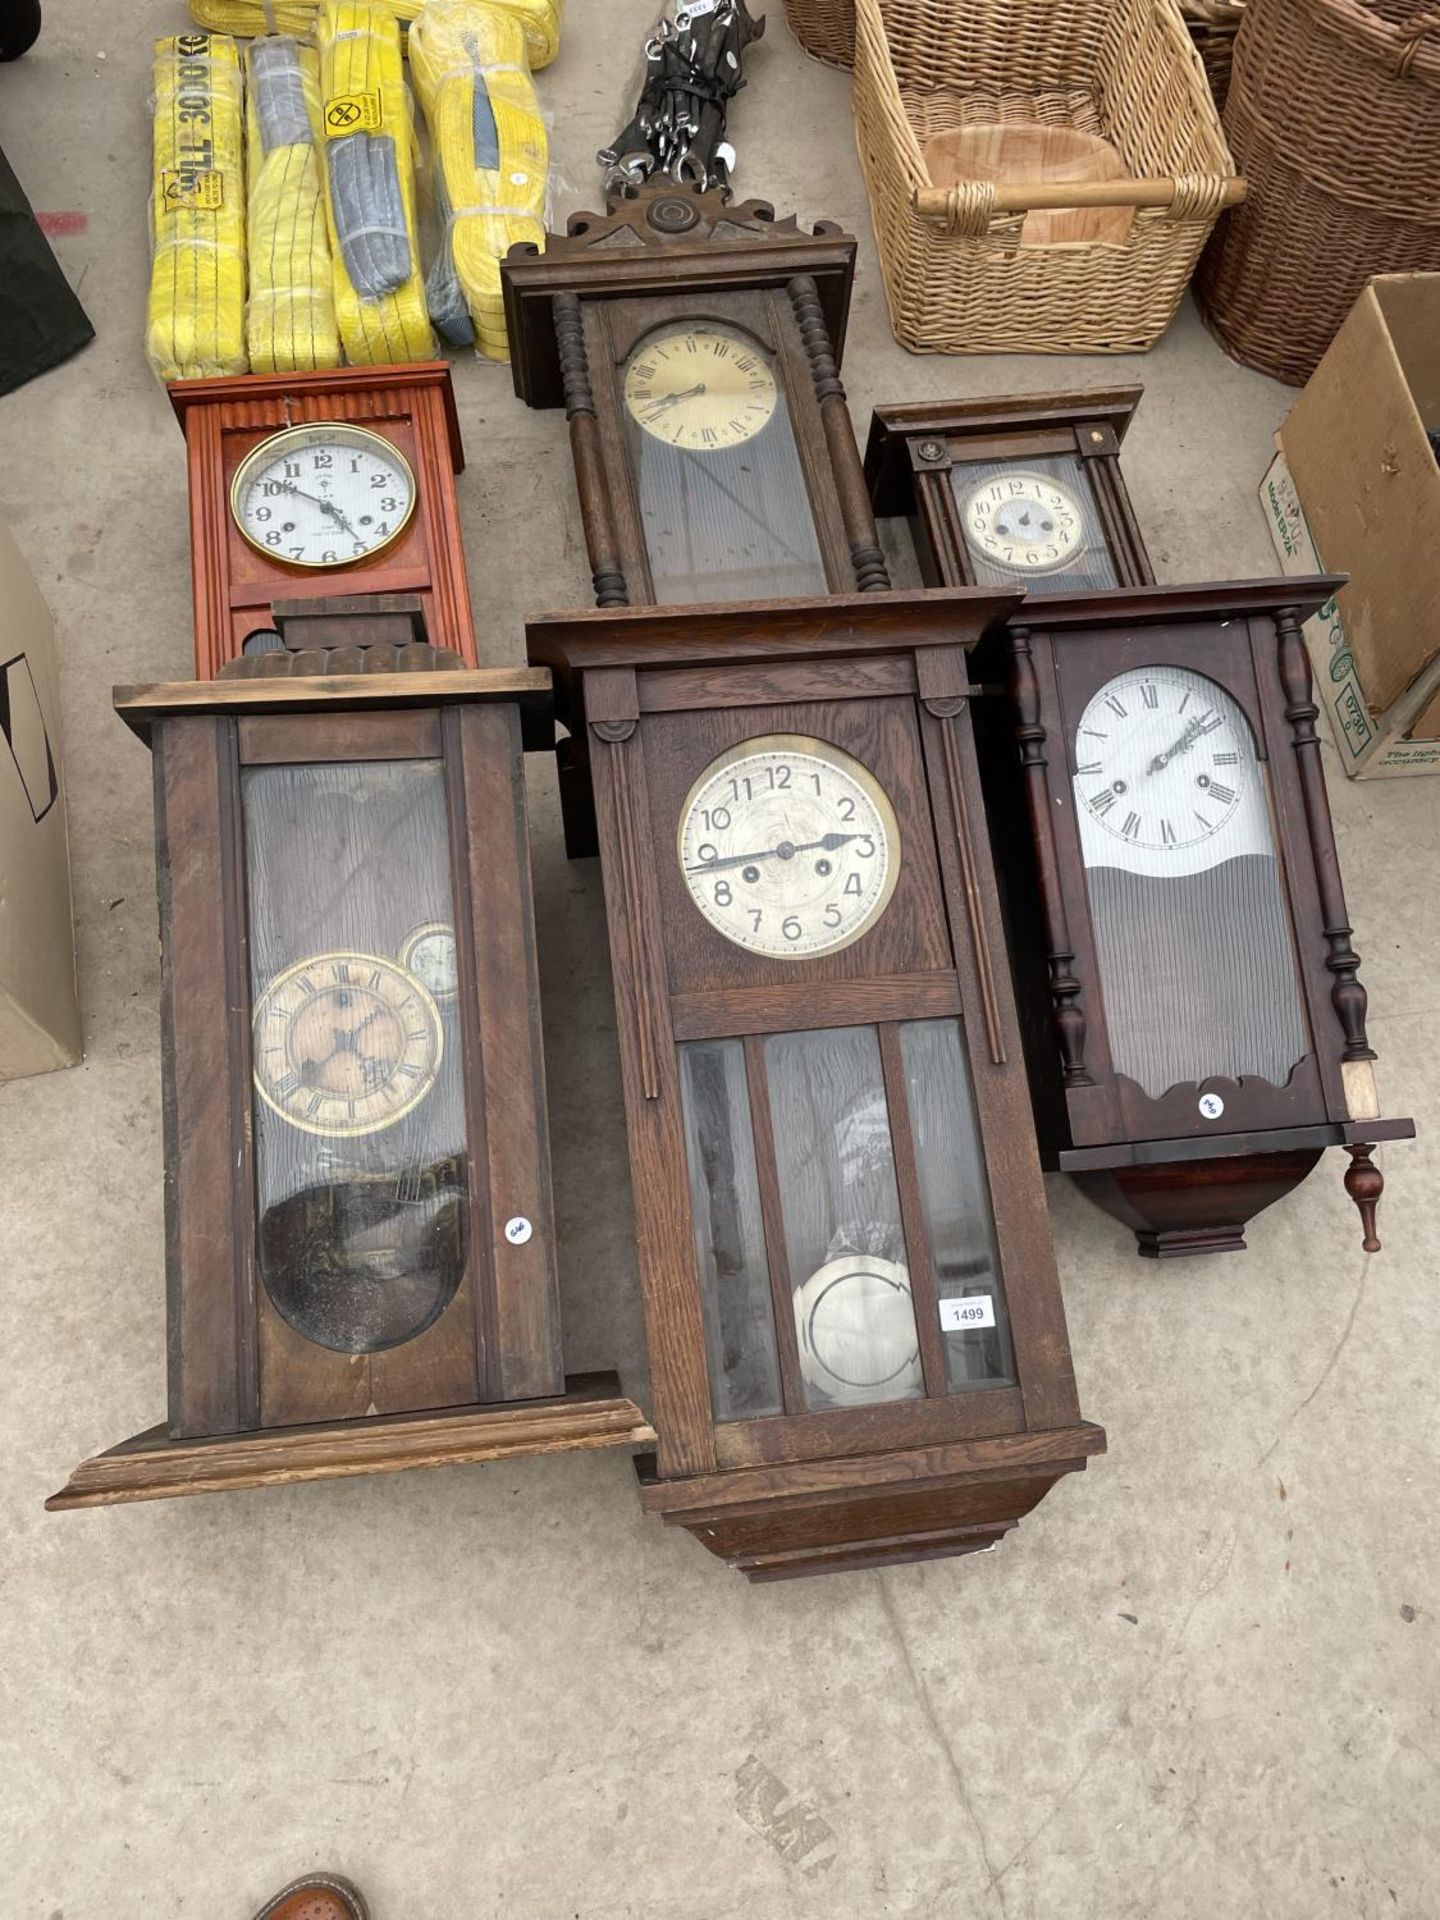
(825, 28)
(1334, 113)
(956, 278)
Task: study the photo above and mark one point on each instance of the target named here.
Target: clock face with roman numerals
(346, 1043)
(1166, 776)
(700, 387)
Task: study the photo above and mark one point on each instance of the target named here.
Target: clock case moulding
(225, 419)
(882, 677)
(661, 254)
(252, 1402)
(1185, 1184)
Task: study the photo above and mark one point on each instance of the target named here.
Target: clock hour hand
(673, 400)
(326, 506)
(1192, 733)
(787, 850)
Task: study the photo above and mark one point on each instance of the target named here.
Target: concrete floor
(1199, 1681)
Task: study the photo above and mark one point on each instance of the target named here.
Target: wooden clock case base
(877, 1510)
(592, 1412)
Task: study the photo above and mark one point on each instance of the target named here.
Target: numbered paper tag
(352, 113)
(967, 1310)
(182, 188)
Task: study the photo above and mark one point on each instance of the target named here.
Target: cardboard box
(1357, 490)
(39, 1013)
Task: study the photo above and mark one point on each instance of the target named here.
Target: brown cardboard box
(1368, 489)
(39, 1015)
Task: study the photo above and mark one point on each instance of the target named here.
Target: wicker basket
(1213, 25)
(825, 28)
(956, 277)
(1334, 112)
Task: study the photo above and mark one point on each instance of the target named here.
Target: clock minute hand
(673, 400)
(786, 850)
(1193, 730)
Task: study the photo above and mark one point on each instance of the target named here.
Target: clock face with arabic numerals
(789, 847)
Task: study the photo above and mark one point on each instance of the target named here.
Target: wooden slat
(923, 1299)
(778, 1007)
(592, 1413)
(139, 706)
(526, 1360)
(772, 1215)
(300, 739)
(678, 690)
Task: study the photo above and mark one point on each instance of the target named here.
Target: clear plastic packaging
(290, 322)
(489, 158)
(195, 317)
(369, 165)
(541, 19)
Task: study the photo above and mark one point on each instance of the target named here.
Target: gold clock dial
(323, 496)
(346, 1043)
(429, 953)
(789, 847)
(700, 387)
(1025, 522)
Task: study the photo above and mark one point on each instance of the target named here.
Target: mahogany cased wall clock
(1198, 1032)
(317, 485)
(360, 1244)
(1016, 491)
(695, 348)
(857, 1343)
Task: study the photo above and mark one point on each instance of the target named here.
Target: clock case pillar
(803, 1491)
(663, 253)
(345, 704)
(1183, 1185)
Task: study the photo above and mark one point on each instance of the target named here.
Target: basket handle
(969, 208)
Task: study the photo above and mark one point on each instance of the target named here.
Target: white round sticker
(1211, 1106)
(518, 1230)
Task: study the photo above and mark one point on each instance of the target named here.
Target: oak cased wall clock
(321, 484)
(1197, 1024)
(857, 1343)
(695, 347)
(1015, 491)
(360, 1247)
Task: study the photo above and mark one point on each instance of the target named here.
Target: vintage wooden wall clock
(1016, 491)
(318, 484)
(695, 348)
(857, 1343)
(1198, 1033)
(360, 1244)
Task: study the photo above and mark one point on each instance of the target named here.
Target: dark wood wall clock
(1014, 491)
(857, 1343)
(1198, 1034)
(695, 347)
(360, 1245)
(318, 484)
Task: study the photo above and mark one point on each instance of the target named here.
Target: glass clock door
(359, 1113)
(827, 1169)
(1197, 966)
(723, 501)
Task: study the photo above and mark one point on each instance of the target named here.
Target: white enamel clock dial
(1166, 778)
(323, 496)
(700, 387)
(345, 1043)
(429, 953)
(856, 1325)
(789, 847)
(1024, 521)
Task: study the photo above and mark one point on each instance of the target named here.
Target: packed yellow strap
(541, 19)
(290, 320)
(195, 321)
(491, 157)
(369, 163)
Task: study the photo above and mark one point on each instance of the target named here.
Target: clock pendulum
(360, 1249)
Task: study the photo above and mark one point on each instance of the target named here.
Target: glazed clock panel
(1032, 521)
(726, 493)
(806, 845)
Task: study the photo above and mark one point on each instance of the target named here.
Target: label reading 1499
(966, 1310)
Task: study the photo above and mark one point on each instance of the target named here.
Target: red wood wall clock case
(1195, 1017)
(360, 1248)
(857, 1344)
(410, 407)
